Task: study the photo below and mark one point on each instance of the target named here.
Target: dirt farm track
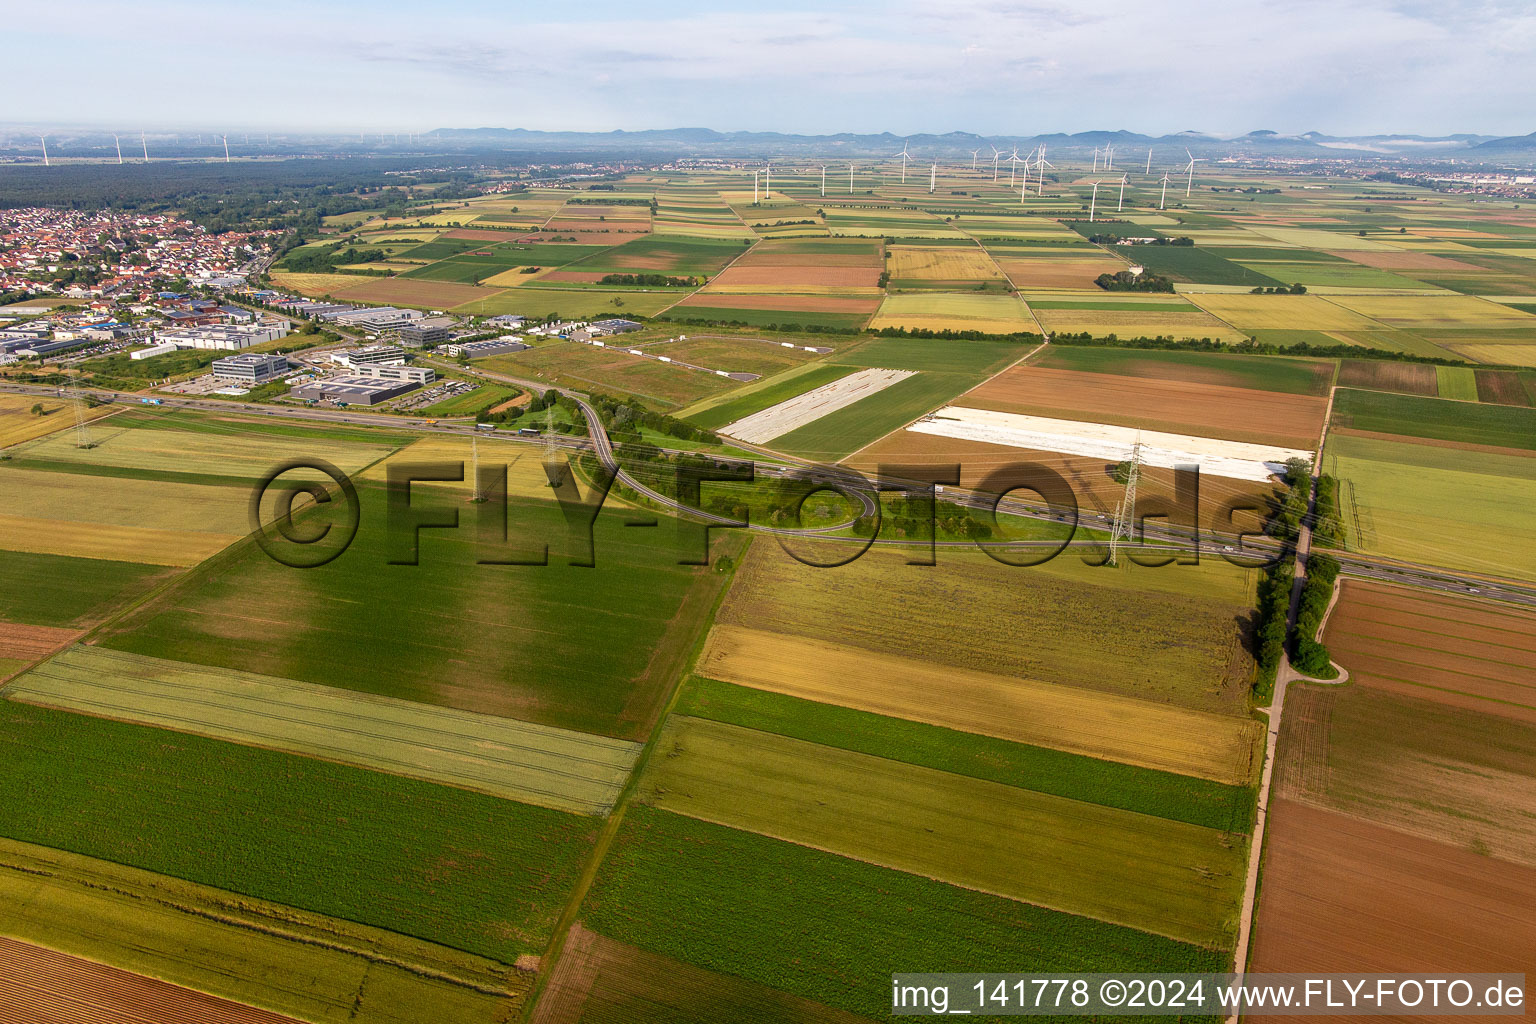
(39, 986)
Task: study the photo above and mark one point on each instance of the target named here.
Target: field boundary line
(739, 256)
(588, 876)
(936, 408)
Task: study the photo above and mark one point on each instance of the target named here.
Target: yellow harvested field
(1316, 238)
(1285, 312)
(109, 541)
(1130, 323)
(19, 423)
(525, 470)
(941, 263)
(938, 311)
(1514, 355)
(1106, 726)
(317, 284)
(1450, 311)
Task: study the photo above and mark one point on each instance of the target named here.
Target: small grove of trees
(1311, 656)
(1286, 523)
(1327, 518)
(1125, 281)
(1274, 607)
(1295, 289)
(652, 280)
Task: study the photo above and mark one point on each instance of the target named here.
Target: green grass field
(299, 964)
(1290, 376)
(566, 771)
(442, 864)
(754, 317)
(934, 355)
(1458, 382)
(844, 431)
(673, 256)
(56, 590)
(1505, 426)
(1162, 876)
(472, 402)
(1422, 503)
(829, 928)
(712, 415)
(559, 645)
(1194, 265)
(1109, 783)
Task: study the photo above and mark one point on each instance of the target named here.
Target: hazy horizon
(1404, 67)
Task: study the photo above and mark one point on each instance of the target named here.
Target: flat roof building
(371, 355)
(250, 368)
(353, 390)
(481, 349)
(393, 371)
(228, 337)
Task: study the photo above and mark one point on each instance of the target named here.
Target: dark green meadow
(466, 870)
(1506, 426)
(582, 648)
(833, 929)
(1187, 263)
(56, 590)
(1109, 783)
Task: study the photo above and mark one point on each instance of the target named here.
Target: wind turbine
(143, 141)
(226, 147)
(44, 140)
(850, 177)
(119, 143)
(1191, 183)
(823, 181)
(973, 158)
(1094, 202)
(1013, 166)
(1024, 188)
(1042, 163)
(1149, 159)
(767, 182)
(933, 176)
(1121, 205)
(996, 153)
(1095, 159)
(1164, 197)
(755, 200)
(903, 154)
(1109, 157)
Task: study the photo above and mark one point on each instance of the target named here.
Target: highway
(1167, 538)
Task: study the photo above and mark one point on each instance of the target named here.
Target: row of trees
(1310, 656)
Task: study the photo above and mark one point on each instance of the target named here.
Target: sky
(992, 67)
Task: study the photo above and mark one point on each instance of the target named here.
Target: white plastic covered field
(1236, 460)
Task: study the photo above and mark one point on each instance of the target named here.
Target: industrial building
(377, 318)
(152, 351)
(420, 375)
(228, 337)
(429, 330)
(481, 349)
(372, 355)
(613, 326)
(250, 368)
(353, 390)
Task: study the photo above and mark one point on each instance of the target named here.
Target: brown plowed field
(809, 303)
(28, 643)
(1455, 651)
(416, 292)
(599, 980)
(1501, 387)
(1344, 895)
(1182, 407)
(1095, 489)
(1380, 375)
(800, 259)
(1058, 273)
(39, 986)
(592, 225)
(801, 276)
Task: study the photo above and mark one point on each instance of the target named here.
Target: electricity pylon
(1125, 515)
